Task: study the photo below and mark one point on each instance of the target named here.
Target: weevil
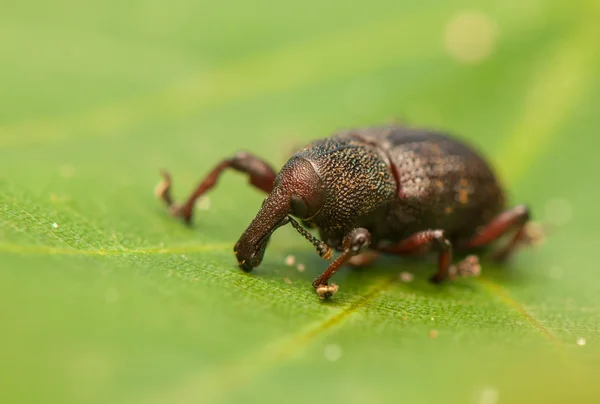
(372, 190)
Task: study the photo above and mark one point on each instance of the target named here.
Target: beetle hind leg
(513, 220)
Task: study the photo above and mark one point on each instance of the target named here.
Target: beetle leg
(261, 176)
(354, 243)
(427, 239)
(515, 219)
(363, 260)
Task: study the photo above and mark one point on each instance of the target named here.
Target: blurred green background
(105, 299)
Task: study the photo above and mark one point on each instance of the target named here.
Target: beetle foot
(534, 234)
(163, 189)
(470, 266)
(437, 278)
(163, 192)
(182, 211)
(326, 291)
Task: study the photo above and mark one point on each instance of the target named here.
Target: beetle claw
(534, 234)
(163, 189)
(326, 291)
(163, 192)
(182, 211)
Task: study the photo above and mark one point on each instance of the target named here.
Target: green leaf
(104, 298)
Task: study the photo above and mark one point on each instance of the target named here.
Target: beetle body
(397, 181)
(390, 189)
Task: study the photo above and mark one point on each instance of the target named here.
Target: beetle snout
(250, 248)
(249, 256)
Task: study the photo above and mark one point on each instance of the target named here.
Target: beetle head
(297, 191)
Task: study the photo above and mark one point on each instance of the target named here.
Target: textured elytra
(396, 181)
(443, 182)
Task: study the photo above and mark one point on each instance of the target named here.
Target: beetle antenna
(322, 249)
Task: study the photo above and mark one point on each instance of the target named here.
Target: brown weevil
(388, 189)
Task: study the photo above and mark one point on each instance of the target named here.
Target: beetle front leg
(354, 243)
(261, 176)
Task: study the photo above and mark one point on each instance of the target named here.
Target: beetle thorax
(356, 179)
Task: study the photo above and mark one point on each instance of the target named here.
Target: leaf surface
(104, 298)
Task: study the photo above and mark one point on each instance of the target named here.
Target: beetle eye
(299, 207)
